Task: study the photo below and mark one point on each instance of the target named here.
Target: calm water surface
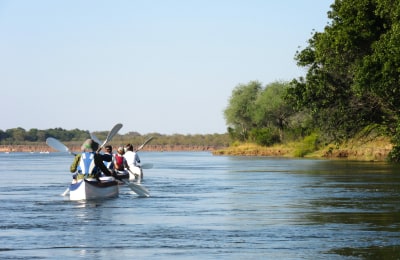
(204, 207)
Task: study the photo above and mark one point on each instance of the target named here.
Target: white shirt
(132, 158)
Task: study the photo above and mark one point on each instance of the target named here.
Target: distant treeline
(20, 136)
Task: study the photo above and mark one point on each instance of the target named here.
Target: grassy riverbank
(360, 149)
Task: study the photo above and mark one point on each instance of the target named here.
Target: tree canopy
(352, 80)
(353, 68)
(258, 113)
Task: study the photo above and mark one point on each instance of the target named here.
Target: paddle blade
(94, 138)
(139, 190)
(146, 142)
(111, 134)
(57, 145)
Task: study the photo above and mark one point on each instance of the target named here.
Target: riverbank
(376, 149)
(43, 148)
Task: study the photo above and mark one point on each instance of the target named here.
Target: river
(204, 207)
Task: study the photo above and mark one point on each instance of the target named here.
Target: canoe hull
(92, 190)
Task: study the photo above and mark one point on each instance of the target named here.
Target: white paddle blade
(57, 145)
(111, 134)
(136, 188)
(139, 190)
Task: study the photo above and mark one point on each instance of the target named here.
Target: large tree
(271, 111)
(239, 113)
(353, 68)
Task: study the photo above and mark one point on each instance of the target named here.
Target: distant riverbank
(76, 148)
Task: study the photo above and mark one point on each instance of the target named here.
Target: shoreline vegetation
(376, 149)
(356, 149)
(342, 94)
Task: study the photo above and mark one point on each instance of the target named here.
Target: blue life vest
(86, 164)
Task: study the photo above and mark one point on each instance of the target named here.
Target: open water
(204, 207)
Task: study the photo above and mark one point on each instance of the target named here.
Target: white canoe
(90, 189)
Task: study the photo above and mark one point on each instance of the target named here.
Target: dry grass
(250, 149)
(361, 149)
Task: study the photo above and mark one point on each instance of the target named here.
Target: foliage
(394, 155)
(255, 112)
(353, 77)
(239, 113)
(308, 145)
(264, 136)
(271, 110)
(20, 135)
(300, 125)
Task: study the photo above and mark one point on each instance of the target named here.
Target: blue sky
(160, 66)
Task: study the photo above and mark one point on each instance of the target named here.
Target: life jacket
(109, 164)
(119, 160)
(86, 164)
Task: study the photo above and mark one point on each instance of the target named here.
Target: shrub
(308, 145)
(264, 136)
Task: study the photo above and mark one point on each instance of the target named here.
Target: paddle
(57, 145)
(94, 138)
(110, 135)
(141, 147)
(137, 188)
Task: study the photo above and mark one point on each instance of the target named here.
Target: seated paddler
(86, 164)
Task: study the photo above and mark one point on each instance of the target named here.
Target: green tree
(239, 112)
(32, 135)
(352, 79)
(379, 72)
(17, 134)
(271, 110)
(4, 137)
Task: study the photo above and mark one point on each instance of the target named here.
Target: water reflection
(371, 252)
(344, 203)
(358, 199)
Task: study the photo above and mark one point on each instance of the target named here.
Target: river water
(204, 207)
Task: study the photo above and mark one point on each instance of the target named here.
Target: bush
(264, 136)
(394, 154)
(308, 145)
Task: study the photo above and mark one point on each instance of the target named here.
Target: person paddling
(108, 151)
(120, 163)
(133, 161)
(84, 165)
